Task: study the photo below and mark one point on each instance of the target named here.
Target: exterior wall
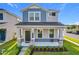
(52, 18)
(43, 15)
(9, 25)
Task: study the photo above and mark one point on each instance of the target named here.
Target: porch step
(23, 44)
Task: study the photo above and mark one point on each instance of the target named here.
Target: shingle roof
(41, 23)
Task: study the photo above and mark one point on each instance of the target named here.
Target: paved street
(72, 35)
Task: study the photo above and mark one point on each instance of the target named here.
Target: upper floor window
(53, 14)
(1, 16)
(34, 16)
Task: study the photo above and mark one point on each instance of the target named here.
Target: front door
(27, 36)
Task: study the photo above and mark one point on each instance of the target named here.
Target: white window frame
(34, 16)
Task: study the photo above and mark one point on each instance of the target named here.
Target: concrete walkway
(72, 42)
(23, 50)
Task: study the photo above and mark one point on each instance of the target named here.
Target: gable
(33, 6)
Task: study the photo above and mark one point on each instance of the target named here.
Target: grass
(72, 50)
(10, 48)
(28, 50)
(72, 39)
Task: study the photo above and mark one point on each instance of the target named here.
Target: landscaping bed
(32, 50)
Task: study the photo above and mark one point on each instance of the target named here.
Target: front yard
(11, 48)
(71, 50)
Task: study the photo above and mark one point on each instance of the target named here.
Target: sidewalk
(23, 50)
(72, 42)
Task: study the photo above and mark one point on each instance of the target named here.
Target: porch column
(32, 36)
(18, 37)
(61, 37)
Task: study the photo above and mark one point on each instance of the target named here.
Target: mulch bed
(36, 49)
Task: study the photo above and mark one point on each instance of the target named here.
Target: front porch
(40, 38)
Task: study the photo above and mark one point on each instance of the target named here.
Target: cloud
(63, 6)
(13, 5)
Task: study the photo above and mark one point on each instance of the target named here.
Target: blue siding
(25, 16)
(43, 15)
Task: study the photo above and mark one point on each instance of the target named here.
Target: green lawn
(72, 39)
(72, 50)
(9, 48)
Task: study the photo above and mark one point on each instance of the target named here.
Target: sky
(68, 12)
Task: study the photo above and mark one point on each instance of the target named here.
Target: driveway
(72, 35)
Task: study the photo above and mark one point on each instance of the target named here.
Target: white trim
(34, 16)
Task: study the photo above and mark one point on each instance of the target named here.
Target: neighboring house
(40, 27)
(7, 25)
(73, 28)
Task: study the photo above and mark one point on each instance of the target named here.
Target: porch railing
(47, 40)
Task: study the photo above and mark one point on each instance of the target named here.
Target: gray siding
(43, 15)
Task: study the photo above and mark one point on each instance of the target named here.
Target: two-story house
(40, 27)
(7, 25)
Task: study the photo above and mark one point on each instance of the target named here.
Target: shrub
(47, 48)
(38, 48)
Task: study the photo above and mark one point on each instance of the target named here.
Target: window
(34, 16)
(1, 16)
(52, 14)
(31, 16)
(51, 33)
(37, 16)
(39, 33)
